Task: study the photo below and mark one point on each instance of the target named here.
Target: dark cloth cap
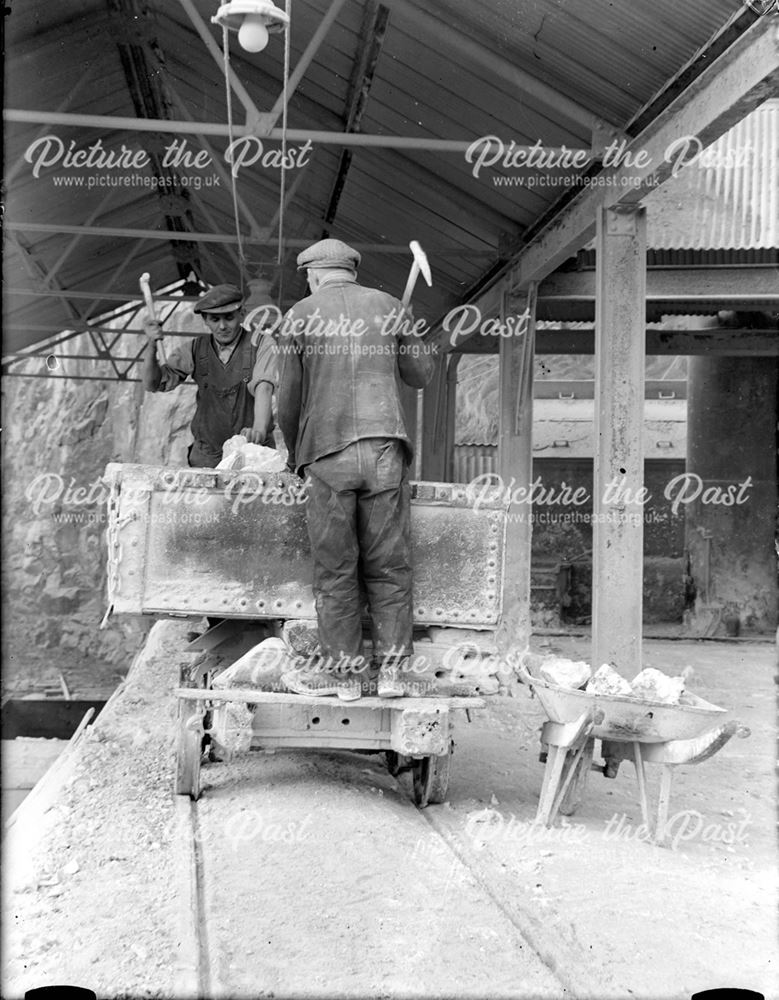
(329, 253)
(220, 299)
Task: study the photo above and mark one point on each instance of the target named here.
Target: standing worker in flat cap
(235, 377)
(339, 408)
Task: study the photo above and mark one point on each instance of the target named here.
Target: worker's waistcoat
(224, 404)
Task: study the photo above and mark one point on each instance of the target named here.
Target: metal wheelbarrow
(629, 729)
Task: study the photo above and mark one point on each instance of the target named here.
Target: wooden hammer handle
(412, 280)
(148, 298)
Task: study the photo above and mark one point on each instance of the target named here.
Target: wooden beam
(720, 341)
(618, 472)
(571, 295)
(714, 284)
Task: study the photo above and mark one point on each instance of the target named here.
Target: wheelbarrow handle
(527, 678)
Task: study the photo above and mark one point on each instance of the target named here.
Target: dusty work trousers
(359, 509)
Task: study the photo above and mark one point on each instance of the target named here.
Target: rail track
(196, 967)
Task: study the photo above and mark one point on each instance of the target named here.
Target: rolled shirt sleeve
(266, 364)
(179, 366)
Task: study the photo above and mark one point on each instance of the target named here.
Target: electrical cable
(226, 54)
(283, 184)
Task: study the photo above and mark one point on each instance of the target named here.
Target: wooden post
(515, 467)
(618, 475)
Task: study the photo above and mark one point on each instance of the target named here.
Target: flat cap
(220, 299)
(329, 253)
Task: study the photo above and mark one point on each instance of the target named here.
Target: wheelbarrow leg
(581, 765)
(552, 773)
(666, 778)
(641, 778)
(566, 743)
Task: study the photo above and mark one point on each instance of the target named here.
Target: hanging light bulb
(253, 20)
(253, 35)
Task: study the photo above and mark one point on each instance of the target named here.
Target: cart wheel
(188, 749)
(395, 762)
(431, 779)
(575, 791)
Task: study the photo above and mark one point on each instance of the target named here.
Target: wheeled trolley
(414, 733)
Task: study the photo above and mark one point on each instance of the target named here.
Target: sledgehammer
(145, 283)
(420, 265)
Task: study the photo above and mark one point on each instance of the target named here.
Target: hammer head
(420, 257)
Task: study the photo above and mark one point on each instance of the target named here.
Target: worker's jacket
(340, 364)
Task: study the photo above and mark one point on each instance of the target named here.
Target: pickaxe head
(420, 257)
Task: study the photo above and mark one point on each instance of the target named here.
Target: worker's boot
(389, 682)
(349, 676)
(304, 682)
(310, 677)
(349, 688)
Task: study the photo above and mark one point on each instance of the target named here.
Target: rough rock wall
(59, 436)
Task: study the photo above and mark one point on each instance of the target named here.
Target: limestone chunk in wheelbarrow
(260, 668)
(238, 455)
(607, 682)
(564, 672)
(654, 685)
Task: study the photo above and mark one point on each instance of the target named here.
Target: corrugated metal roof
(727, 197)
(445, 70)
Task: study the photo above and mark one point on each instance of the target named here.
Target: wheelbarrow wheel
(575, 791)
(431, 779)
(189, 737)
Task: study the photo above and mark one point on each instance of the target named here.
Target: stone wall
(59, 436)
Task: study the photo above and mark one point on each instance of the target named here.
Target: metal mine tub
(235, 545)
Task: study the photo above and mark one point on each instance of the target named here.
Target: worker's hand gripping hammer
(145, 283)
